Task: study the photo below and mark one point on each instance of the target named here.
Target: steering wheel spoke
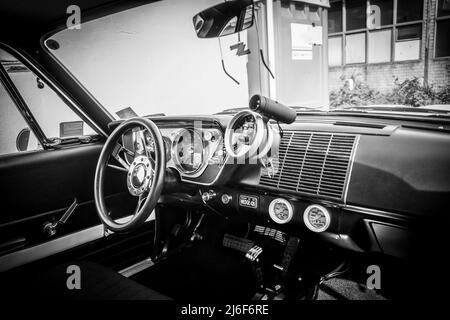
(141, 199)
(116, 154)
(145, 174)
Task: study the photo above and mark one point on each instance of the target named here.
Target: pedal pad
(237, 243)
(253, 253)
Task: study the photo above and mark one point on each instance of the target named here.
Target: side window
(15, 135)
(52, 114)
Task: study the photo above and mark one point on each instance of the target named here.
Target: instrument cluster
(189, 150)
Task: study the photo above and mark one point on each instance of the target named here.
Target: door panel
(37, 187)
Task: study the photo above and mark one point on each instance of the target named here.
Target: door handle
(50, 228)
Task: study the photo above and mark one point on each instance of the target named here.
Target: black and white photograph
(224, 157)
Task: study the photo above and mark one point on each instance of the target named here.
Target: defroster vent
(312, 163)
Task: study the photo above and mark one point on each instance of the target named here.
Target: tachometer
(189, 151)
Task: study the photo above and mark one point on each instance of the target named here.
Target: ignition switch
(226, 198)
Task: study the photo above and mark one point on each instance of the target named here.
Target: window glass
(355, 48)
(409, 32)
(355, 14)
(407, 50)
(15, 135)
(409, 10)
(335, 51)
(54, 117)
(383, 8)
(442, 38)
(443, 8)
(335, 17)
(380, 46)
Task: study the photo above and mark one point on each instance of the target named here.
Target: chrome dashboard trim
(377, 213)
(350, 169)
(215, 179)
(195, 173)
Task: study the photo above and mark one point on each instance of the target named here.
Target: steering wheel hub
(139, 176)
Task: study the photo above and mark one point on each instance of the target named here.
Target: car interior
(261, 202)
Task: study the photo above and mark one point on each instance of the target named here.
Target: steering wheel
(144, 174)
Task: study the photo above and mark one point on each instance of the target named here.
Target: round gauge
(189, 151)
(281, 211)
(149, 141)
(244, 133)
(316, 218)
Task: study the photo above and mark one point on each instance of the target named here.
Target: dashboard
(361, 184)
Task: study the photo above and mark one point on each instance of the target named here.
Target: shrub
(356, 95)
(411, 92)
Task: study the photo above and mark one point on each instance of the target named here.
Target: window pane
(409, 10)
(54, 117)
(407, 50)
(380, 46)
(355, 48)
(355, 14)
(444, 8)
(407, 45)
(12, 124)
(413, 32)
(335, 17)
(335, 51)
(442, 41)
(385, 9)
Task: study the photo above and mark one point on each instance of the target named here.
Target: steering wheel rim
(154, 188)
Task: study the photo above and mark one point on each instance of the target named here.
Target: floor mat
(343, 289)
(201, 272)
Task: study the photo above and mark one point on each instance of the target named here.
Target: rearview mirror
(224, 19)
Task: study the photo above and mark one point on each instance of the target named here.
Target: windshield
(148, 60)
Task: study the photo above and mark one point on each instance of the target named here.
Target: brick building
(377, 41)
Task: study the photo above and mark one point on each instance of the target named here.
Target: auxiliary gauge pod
(250, 138)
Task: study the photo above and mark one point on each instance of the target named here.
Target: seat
(96, 281)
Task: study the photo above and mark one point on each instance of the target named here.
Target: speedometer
(189, 151)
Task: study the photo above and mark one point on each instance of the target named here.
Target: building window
(386, 10)
(355, 14)
(368, 31)
(442, 29)
(380, 46)
(407, 42)
(355, 48)
(335, 17)
(335, 51)
(409, 10)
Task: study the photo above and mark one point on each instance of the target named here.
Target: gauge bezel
(261, 134)
(308, 223)
(272, 214)
(176, 160)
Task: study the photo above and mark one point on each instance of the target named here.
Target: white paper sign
(302, 55)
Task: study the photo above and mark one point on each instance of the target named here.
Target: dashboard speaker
(317, 218)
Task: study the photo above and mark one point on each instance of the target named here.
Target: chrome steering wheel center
(139, 176)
